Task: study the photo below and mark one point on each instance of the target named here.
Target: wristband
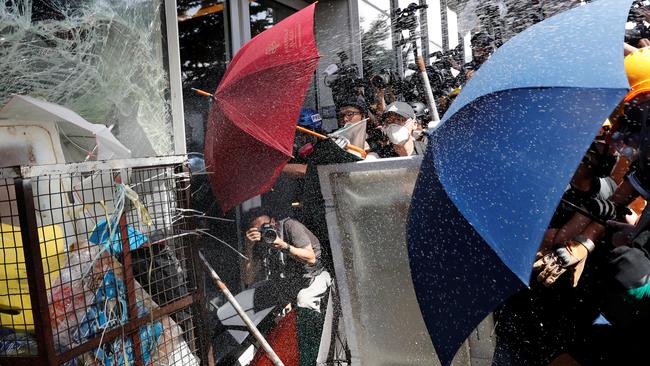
(586, 242)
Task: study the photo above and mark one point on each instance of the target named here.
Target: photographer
(292, 255)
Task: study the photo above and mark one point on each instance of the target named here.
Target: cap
(360, 104)
(401, 109)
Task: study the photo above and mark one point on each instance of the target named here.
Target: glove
(572, 255)
(341, 141)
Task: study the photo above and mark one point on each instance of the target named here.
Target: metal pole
(397, 38)
(424, 32)
(433, 110)
(129, 281)
(231, 299)
(444, 24)
(36, 276)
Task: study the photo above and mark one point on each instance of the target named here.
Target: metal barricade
(97, 265)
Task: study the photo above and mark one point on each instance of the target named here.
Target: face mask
(398, 135)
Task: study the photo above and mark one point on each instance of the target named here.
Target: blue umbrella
(495, 170)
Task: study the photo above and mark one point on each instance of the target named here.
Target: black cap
(357, 103)
(401, 109)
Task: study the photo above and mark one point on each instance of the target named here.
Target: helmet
(310, 118)
(420, 109)
(637, 67)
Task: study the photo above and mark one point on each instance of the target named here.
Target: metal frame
(240, 21)
(355, 35)
(175, 82)
(296, 4)
(324, 172)
(47, 355)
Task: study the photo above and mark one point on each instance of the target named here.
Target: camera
(384, 78)
(269, 234)
(405, 18)
(344, 79)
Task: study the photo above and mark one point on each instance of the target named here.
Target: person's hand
(623, 234)
(644, 42)
(341, 141)
(571, 256)
(253, 235)
(280, 244)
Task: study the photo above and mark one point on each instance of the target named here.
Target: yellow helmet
(637, 67)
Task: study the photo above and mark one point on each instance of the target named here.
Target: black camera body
(269, 234)
(385, 78)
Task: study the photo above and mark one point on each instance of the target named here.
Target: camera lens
(269, 236)
(268, 233)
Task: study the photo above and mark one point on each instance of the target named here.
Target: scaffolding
(98, 266)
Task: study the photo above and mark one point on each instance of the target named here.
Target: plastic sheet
(366, 207)
(73, 321)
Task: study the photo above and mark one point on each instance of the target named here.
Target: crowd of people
(595, 256)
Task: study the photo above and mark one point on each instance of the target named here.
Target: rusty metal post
(183, 197)
(34, 266)
(129, 280)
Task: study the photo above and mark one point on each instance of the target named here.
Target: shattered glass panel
(104, 59)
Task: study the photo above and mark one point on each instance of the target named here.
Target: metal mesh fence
(118, 283)
(15, 304)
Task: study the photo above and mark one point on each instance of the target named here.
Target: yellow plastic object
(15, 304)
(637, 68)
(455, 92)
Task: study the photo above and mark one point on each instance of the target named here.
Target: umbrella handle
(323, 137)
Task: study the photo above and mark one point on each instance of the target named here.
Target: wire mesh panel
(16, 319)
(118, 270)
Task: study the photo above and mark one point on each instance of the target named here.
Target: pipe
(251, 326)
(433, 110)
(323, 137)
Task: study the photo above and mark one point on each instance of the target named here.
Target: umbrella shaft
(249, 323)
(323, 137)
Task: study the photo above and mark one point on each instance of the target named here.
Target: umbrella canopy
(252, 122)
(73, 129)
(496, 169)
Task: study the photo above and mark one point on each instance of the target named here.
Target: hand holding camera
(266, 234)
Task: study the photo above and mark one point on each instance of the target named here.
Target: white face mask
(397, 134)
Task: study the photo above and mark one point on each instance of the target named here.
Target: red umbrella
(252, 122)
